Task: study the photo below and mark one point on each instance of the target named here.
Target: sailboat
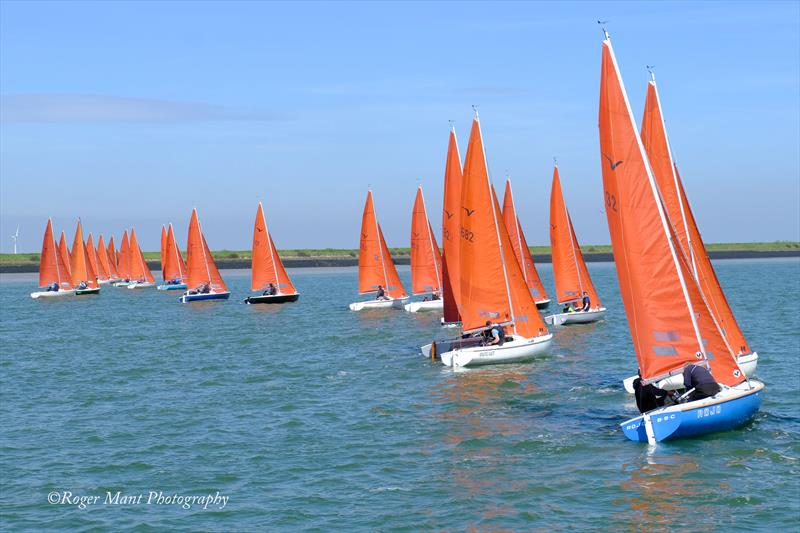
(375, 265)
(521, 249)
(141, 277)
(569, 269)
(659, 153)
(63, 252)
(111, 256)
(91, 251)
(83, 277)
(426, 260)
(671, 324)
(267, 271)
(124, 262)
(103, 262)
(173, 269)
(203, 277)
(451, 220)
(492, 286)
(53, 271)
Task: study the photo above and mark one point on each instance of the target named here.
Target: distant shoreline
(347, 260)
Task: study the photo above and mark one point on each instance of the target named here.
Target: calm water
(311, 417)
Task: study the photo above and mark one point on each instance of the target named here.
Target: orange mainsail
(656, 143)
(669, 322)
(64, 255)
(201, 268)
(112, 259)
(569, 269)
(163, 250)
(520, 245)
(52, 268)
(451, 221)
(103, 271)
(124, 261)
(93, 262)
(139, 269)
(80, 268)
(492, 285)
(426, 260)
(173, 265)
(267, 266)
(375, 265)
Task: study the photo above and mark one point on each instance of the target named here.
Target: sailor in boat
(587, 302)
(270, 290)
(82, 285)
(568, 308)
(53, 287)
(174, 281)
(649, 397)
(494, 334)
(203, 288)
(381, 294)
(436, 295)
(700, 382)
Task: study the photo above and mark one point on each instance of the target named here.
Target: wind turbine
(15, 237)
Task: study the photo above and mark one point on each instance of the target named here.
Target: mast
(430, 241)
(572, 241)
(380, 244)
(519, 231)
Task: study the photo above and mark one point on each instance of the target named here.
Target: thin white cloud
(101, 108)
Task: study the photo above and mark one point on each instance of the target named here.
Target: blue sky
(130, 114)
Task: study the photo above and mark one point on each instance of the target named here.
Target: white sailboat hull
(518, 350)
(139, 285)
(378, 304)
(577, 317)
(52, 294)
(747, 363)
(430, 305)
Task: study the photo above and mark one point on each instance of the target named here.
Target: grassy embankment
(331, 253)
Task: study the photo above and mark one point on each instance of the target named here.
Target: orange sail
(267, 266)
(91, 252)
(112, 259)
(173, 265)
(656, 143)
(426, 260)
(492, 285)
(670, 324)
(139, 269)
(102, 259)
(569, 269)
(201, 268)
(64, 255)
(163, 251)
(520, 245)
(124, 261)
(52, 268)
(451, 220)
(375, 265)
(80, 269)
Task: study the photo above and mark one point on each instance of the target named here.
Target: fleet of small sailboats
(484, 279)
(376, 271)
(426, 260)
(267, 272)
(573, 283)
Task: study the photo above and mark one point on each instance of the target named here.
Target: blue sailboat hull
(200, 297)
(727, 410)
(165, 287)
